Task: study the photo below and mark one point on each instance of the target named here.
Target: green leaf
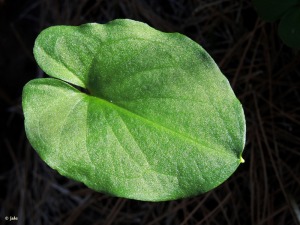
(289, 28)
(271, 10)
(158, 120)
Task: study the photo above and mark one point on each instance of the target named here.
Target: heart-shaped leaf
(158, 120)
(289, 28)
(271, 10)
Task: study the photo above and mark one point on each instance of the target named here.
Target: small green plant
(288, 12)
(157, 120)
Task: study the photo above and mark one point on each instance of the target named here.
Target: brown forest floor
(263, 72)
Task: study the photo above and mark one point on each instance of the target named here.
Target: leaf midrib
(220, 150)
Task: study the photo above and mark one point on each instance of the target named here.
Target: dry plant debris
(262, 70)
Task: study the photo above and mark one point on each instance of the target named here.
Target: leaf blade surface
(161, 121)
